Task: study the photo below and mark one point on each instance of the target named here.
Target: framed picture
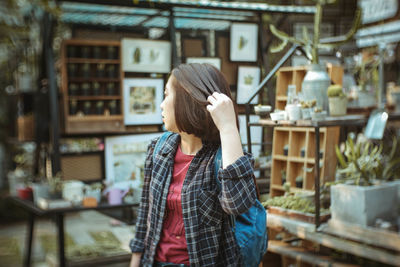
(125, 157)
(248, 80)
(215, 61)
(140, 55)
(244, 39)
(142, 99)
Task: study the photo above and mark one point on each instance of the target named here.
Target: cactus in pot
(316, 81)
(337, 100)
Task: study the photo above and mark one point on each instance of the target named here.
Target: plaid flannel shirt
(206, 209)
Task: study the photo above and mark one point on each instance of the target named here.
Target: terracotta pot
(25, 193)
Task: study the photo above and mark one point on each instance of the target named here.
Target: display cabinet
(293, 152)
(293, 158)
(91, 84)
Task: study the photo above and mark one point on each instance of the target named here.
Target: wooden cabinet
(293, 156)
(92, 88)
(293, 152)
(91, 83)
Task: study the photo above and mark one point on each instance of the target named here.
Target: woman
(183, 219)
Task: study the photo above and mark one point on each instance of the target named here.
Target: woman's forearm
(231, 145)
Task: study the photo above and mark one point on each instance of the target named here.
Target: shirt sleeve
(137, 243)
(238, 191)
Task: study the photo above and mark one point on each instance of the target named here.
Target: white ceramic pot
(73, 191)
(337, 106)
(293, 111)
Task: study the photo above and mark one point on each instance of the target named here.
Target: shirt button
(178, 237)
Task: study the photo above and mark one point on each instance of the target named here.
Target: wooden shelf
(352, 242)
(92, 52)
(92, 60)
(93, 79)
(97, 97)
(95, 118)
(293, 151)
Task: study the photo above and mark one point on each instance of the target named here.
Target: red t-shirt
(172, 246)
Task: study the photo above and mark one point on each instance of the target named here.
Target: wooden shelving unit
(295, 75)
(299, 160)
(91, 75)
(293, 151)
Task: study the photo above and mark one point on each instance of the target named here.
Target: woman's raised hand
(222, 111)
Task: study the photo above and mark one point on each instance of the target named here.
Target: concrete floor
(79, 228)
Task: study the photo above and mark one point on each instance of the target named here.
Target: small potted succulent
(96, 88)
(72, 70)
(85, 87)
(73, 107)
(337, 100)
(100, 70)
(97, 52)
(85, 52)
(73, 89)
(111, 73)
(86, 107)
(99, 107)
(113, 107)
(86, 70)
(110, 89)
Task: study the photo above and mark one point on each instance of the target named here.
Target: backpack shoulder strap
(217, 165)
(160, 142)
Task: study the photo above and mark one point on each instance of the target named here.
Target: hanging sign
(377, 10)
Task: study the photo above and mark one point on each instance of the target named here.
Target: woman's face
(168, 108)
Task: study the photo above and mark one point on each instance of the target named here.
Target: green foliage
(364, 162)
(311, 46)
(292, 202)
(335, 90)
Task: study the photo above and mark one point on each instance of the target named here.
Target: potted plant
(316, 81)
(73, 89)
(99, 107)
(113, 107)
(73, 107)
(362, 193)
(86, 70)
(100, 69)
(55, 186)
(96, 88)
(337, 100)
(86, 107)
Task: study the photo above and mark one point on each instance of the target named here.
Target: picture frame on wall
(215, 61)
(124, 159)
(244, 41)
(142, 99)
(248, 80)
(141, 55)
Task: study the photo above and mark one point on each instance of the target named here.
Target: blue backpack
(250, 227)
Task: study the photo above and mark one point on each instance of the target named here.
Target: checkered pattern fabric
(206, 209)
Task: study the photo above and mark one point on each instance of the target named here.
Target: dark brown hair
(193, 83)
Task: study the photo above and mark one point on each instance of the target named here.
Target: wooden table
(34, 211)
(367, 242)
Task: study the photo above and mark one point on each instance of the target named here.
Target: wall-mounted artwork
(125, 157)
(215, 61)
(244, 38)
(142, 99)
(140, 55)
(248, 80)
